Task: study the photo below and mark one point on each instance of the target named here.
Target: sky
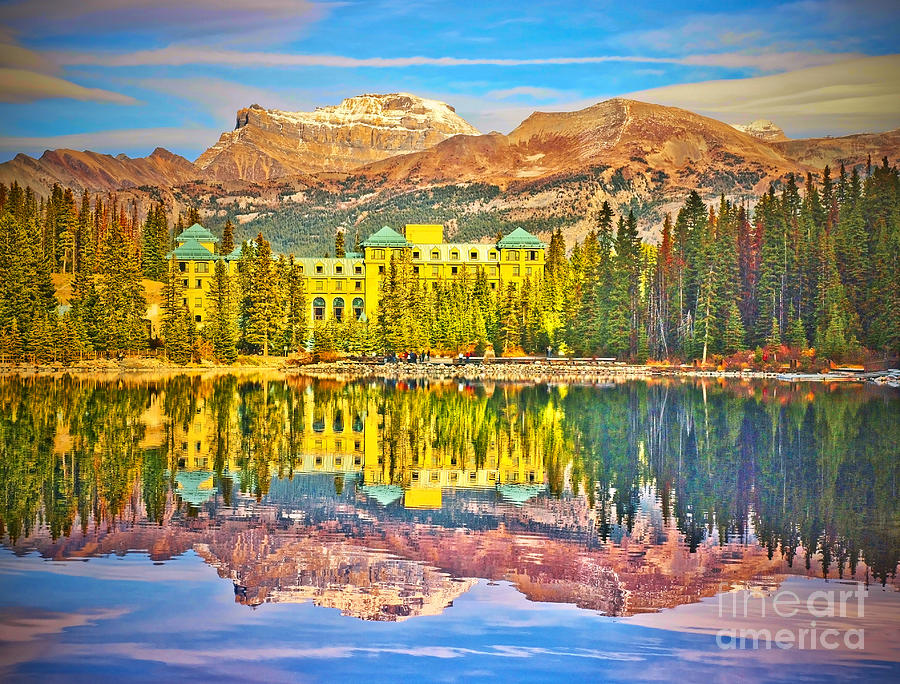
(126, 76)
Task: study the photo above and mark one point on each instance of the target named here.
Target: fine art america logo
(819, 620)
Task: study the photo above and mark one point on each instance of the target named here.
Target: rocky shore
(540, 370)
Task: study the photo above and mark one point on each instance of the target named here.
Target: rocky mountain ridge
(269, 143)
(377, 159)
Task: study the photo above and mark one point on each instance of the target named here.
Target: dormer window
(416, 254)
(473, 255)
(454, 255)
(320, 268)
(357, 269)
(338, 269)
(492, 255)
(435, 254)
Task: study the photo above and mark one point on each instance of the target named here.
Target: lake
(258, 527)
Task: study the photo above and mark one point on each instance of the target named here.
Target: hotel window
(184, 283)
(379, 254)
(493, 286)
(320, 286)
(397, 254)
(416, 254)
(516, 271)
(319, 309)
(453, 270)
(435, 271)
(320, 268)
(415, 477)
(528, 270)
(454, 255)
(416, 270)
(198, 318)
(473, 255)
(381, 270)
(357, 269)
(182, 266)
(339, 285)
(199, 284)
(512, 255)
(436, 476)
(338, 308)
(184, 301)
(357, 285)
(318, 421)
(301, 268)
(492, 255)
(198, 303)
(494, 270)
(435, 255)
(338, 269)
(201, 267)
(532, 255)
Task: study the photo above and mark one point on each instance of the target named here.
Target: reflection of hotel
(340, 434)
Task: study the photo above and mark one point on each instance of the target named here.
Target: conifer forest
(809, 269)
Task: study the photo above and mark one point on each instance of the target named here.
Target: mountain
(393, 159)
(762, 129)
(849, 150)
(97, 172)
(690, 150)
(268, 143)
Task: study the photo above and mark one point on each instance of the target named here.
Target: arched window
(338, 308)
(358, 307)
(337, 422)
(318, 309)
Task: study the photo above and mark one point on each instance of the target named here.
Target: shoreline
(538, 370)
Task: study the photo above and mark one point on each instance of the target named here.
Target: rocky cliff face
(268, 143)
(762, 129)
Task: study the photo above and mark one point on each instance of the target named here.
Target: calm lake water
(261, 528)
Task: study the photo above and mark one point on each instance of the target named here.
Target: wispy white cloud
(847, 97)
(21, 85)
(180, 55)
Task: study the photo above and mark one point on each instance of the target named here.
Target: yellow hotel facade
(337, 288)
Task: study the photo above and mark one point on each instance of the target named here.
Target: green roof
(386, 237)
(191, 251)
(519, 239)
(235, 253)
(197, 232)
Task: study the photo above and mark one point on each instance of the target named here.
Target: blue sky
(128, 75)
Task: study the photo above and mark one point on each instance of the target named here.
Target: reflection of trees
(809, 474)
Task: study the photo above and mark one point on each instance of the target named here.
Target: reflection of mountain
(377, 500)
(330, 572)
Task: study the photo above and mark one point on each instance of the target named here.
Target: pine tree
(339, 250)
(227, 245)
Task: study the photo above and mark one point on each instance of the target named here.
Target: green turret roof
(191, 251)
(520, 239)
(235, 253)
(386, 237)
(197, 232)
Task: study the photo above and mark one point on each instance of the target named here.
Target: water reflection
(387, 500)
